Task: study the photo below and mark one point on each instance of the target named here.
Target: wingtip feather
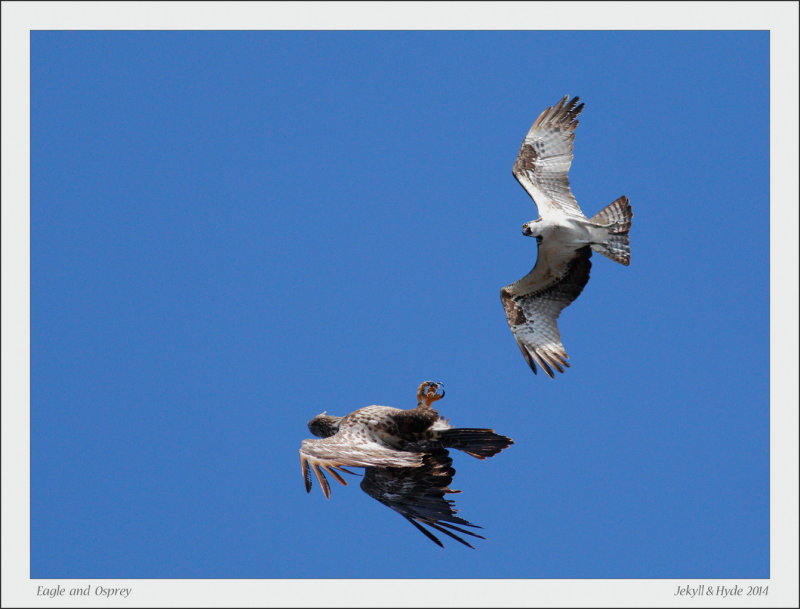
(334, 473)
(306, 473)
(323, 481)
(425, 531)
(542, 363)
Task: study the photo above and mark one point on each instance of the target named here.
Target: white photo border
(19, 18)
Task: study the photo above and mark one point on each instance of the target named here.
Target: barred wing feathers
(534, 303)
(348, 448)
(545, 157)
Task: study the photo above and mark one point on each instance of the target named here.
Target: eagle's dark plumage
(405, 456)
(418, 494)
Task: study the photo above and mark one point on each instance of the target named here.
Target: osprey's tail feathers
(480, 443)
(616, 220)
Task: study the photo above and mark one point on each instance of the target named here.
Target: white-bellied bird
(564, 235)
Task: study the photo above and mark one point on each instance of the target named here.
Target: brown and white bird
(405, 456)
(564, 235)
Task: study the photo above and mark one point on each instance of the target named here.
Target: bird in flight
(405, 455)
(564, 235)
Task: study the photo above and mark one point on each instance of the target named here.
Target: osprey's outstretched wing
(545, 157)
(418, 494)
(534, 303)
(346, 448)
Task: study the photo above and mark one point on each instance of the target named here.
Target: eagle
(405, 455)
(564, 235)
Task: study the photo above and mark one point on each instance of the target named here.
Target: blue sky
(232, 232)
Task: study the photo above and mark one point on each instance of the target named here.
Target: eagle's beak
(526, 230)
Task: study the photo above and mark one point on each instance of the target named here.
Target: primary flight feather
(564, 235)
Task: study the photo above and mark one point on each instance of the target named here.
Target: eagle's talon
(428, 393)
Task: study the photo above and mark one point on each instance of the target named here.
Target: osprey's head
(324, 425)
(529, 229)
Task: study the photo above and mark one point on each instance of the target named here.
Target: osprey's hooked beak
(528, 229)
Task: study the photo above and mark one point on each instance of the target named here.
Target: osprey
(564, 236)
(405, 456)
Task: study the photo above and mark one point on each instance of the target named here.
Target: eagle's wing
(346, 448)
(417, 493)
(545, 156)
(534, 303)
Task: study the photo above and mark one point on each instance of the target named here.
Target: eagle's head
(324, 425)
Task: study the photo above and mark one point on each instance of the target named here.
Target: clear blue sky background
(234, 231)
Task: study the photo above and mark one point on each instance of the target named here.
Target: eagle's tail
(616, 221)
(480, 443)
